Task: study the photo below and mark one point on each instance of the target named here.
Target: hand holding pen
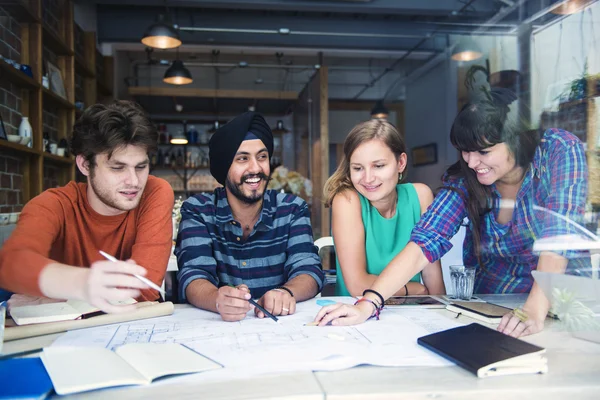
(232, 302)
(107, 282)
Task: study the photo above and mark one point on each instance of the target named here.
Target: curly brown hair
(105, 128)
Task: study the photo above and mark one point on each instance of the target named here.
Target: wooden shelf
(16, 76)
(56, 100)
(181, 145)
(158, 169)
(55, 43)
(20, 10)
(574, 103)
(18, 147)
(80, 65)
(58, 159)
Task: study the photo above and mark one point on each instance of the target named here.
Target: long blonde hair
(362, 133)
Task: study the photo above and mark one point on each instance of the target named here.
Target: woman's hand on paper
(232, 302)
(277, 302)
(109, 282)
(344, 314)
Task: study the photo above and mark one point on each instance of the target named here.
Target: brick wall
(11, 167)
(11, 183)
(51, 15)
(50, 124)
(51, 174)
(10, 36)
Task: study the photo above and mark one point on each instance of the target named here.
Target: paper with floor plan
(263, 346)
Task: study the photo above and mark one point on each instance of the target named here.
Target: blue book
(24, 378)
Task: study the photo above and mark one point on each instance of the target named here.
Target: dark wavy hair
(479, 125)
(105, 128)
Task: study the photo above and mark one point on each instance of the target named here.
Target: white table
(574, 372)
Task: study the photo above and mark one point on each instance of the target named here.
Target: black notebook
(486, 352)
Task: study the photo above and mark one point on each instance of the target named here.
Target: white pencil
(141, 278)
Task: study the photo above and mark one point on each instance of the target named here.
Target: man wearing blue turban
(244, 241)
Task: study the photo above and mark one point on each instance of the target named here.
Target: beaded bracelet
(377, 309)
(377, 294)
(280, 288)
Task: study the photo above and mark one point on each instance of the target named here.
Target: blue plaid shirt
(557, 179)
(210, 244)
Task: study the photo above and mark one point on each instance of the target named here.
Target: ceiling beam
(218, 27)
(390, 7)
(212, 93)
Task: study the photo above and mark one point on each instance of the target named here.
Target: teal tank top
(385, 238)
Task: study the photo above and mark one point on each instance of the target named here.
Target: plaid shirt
(557, 180)
(210, 244)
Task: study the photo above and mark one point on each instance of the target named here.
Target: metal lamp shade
(379, 111)
(571, 7)
(161, 35)
(178, 74)
(466, 50)
(179, 138)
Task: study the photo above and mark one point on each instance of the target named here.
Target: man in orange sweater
(54, 249)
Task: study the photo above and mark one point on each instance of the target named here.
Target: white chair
(326, 241)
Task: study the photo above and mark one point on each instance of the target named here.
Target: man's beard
(236, 188)
(104, 196)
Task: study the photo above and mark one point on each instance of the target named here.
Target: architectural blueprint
(265, 344)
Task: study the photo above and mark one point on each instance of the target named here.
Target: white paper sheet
(263, 346)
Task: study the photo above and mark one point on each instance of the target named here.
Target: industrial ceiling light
(179, 138)
(161, 35)
(571, 7)
(279, 128)
(178, 74)
(379, 111)
(466, 50)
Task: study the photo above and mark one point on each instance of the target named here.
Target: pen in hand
(141, 278)
(261, 308)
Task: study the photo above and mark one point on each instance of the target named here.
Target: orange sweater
(59, 225)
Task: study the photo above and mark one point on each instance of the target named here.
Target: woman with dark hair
(504, 183)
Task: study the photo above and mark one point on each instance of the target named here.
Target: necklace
(252, 222)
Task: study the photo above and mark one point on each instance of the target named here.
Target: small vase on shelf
(25, 132)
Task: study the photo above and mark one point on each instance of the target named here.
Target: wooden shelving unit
(17, 77)
(35, 99)
(57, 44)
(19, 148)
(56, 100)
(53, 158)
(21, 11)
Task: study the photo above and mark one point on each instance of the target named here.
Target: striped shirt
(210, 244)
(557, 180)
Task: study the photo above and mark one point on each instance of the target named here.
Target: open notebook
(59, 311)
(79, 369)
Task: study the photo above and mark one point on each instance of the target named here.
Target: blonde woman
(373, 214)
